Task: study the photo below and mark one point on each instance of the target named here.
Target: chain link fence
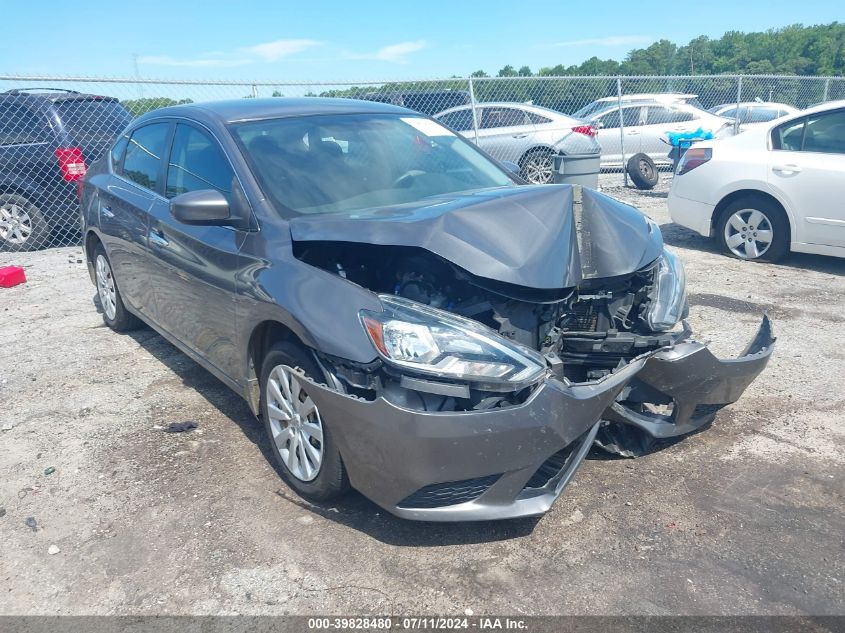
(51, 128)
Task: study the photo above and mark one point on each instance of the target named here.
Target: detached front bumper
(470, 465)
(688, 379)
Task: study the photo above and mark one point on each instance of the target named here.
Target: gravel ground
(745, 518)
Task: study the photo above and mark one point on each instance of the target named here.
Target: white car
(645, 125)
(769, 190)
(524, 134)
(753, 113)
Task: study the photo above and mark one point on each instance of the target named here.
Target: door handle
(106, 212)
(157, 238)
(787, 169)
(520, 135)
(633, 132)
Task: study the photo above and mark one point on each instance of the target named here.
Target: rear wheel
(643, 171)
(300, 438)
(22, 225)
(536, 166)
(755, 229)
(115, 314)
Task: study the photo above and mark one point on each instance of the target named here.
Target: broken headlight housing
(428, 341)
(668, 296)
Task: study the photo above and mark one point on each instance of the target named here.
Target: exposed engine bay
(574, 288)
(584, 332)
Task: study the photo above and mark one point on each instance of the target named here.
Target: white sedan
(772, 189)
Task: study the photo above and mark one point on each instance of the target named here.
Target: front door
(807, 166)
(196, 265)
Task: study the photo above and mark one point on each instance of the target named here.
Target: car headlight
(668, 296)
(428, 341)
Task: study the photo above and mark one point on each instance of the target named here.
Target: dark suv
(46, 139)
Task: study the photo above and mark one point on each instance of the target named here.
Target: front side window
(349, 162)
(142, 161)
(196, 163)
(761, 114)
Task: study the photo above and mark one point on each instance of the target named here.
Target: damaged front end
(517, 328)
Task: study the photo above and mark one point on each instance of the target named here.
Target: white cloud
(200, 62)
(613, 40)
(274, 51)
(395, 53)
(259, 53)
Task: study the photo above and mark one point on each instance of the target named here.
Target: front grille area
(552, 466)
(449, 493)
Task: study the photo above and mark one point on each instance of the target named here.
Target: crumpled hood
(531, 236)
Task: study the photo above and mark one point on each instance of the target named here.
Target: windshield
(93, 119)
(343, 163)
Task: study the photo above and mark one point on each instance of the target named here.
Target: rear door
(505, 133)
(660, 119)
(609, 136)
(807, 167)
(124, 204)
(195, 267)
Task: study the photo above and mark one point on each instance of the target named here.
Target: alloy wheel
(105, 287)
(538, 169)
(295, 424)
(15, 224)
(749, 233)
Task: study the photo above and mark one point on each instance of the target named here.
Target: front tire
(755, 229)
(301, 440)
(115, 314)
(22, 225)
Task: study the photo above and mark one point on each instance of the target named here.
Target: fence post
(474, 115)
(254, 91)
(826, 88)
(738, 101)
(621, 131)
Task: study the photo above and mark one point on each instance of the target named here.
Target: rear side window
(87, 120)
(196, 163)
(460, 120)
(142, 162)
(823, 133)
(538, 119)
(502, 117)
(19, 125)
(762, 114)
(661, 115)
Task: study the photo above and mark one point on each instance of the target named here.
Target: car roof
(755, 103)
(53, 96)
(646, 96)
(236, 110)
(505, 104)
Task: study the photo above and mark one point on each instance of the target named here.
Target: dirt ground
(744, 518)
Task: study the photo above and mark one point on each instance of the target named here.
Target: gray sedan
(524, 134)
(403, 316)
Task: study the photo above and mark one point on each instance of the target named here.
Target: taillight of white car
(692, 158)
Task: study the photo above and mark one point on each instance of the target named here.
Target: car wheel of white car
(537, 167)
(300, 439)
(755, 229)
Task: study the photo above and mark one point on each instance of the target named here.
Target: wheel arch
(263, 336)
(749, 193)
(535, 148)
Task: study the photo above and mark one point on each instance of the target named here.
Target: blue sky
(360, 40)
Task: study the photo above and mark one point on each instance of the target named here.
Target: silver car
(753, 112)
(524, 134)
(645, 125)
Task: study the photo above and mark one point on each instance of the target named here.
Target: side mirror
(511, 166)
(204, 207)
